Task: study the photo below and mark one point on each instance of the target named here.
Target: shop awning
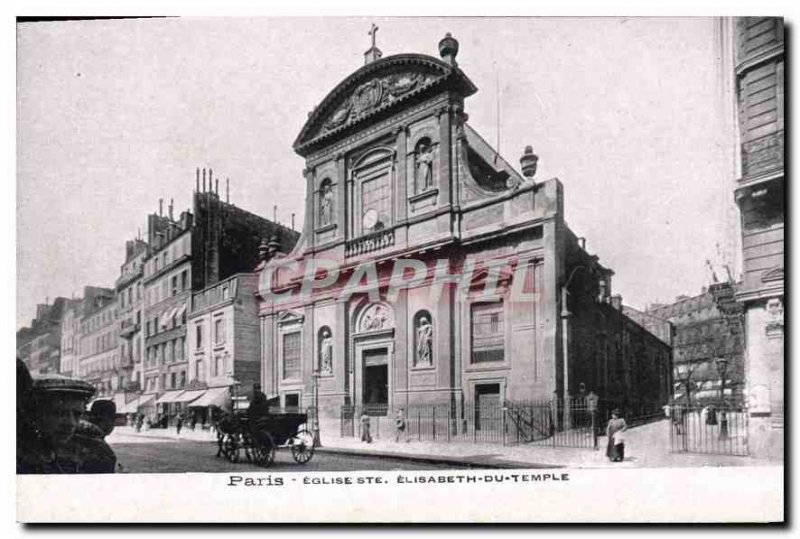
(189, 396)
(169, 396)
(216, 396)
(129, 408)
(179, 312)
(133, 406)
(145, 399)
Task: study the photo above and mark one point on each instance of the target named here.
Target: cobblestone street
(191, 456)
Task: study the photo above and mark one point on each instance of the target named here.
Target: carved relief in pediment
(373, 94)
(375, 317)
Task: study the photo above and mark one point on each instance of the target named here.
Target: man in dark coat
(58, 404)
(259, 406)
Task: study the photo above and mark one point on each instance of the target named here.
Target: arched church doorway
(373, 351)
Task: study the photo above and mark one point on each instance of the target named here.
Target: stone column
(401, 176)
(311, 205)
(268, 379)
(341, 194)
(445, 187)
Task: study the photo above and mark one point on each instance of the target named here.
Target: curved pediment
(377, 87)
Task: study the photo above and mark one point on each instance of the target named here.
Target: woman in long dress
(615, 451)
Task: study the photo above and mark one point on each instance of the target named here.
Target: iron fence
(535, 423)
(708, 430)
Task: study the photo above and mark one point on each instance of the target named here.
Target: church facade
(429, 270)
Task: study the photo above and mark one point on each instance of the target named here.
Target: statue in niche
(424, 167)
(326, 353)
(424, 341)
(326, 204)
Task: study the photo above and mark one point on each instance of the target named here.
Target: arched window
(325, 347)
(325, 214)
(423, 166)
(423, 339)
(372, 175)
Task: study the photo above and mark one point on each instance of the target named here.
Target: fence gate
(708, 430)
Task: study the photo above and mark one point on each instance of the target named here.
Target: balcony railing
(370, 243)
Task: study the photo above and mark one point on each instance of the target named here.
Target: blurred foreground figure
(100, 421)
(52, 444)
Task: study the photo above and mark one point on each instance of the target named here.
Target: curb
(469, 462)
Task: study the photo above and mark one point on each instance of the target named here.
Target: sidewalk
(647, 447)
(128, 435)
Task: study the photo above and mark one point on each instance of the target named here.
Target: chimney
(274, 214)
(216, 186)
(171, 203)
(197, 180)
(160, 207)
(204, 180)
(227, 190)
(186, 220)
(292, 220)
(210, 180)
(616, 302)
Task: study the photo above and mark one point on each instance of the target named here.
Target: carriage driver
(259, 406)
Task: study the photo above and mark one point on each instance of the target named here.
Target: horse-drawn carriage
(258, 438)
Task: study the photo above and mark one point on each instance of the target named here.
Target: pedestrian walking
(365, 434)
(179, 422)
(400, 426)
(139, 422)
(193, 422)
(615, 432)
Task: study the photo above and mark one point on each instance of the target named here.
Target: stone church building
(501, 301)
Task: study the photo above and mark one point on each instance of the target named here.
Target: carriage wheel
(302, 446)
(230, 448)
(264, 450)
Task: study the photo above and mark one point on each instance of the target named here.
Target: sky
(630, 114)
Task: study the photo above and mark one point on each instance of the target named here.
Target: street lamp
(315, 424)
